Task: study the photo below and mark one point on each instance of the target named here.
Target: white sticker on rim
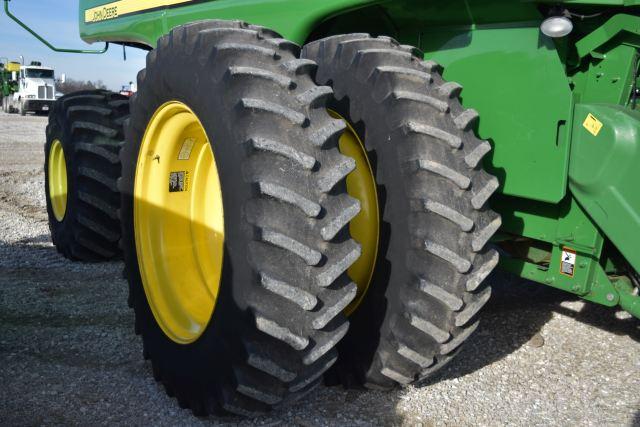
(185, 150)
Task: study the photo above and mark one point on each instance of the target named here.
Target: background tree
(72, 85)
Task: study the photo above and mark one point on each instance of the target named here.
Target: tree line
(72, 85)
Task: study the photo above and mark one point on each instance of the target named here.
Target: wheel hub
(57, 174)
(365, 227)
(178, 222)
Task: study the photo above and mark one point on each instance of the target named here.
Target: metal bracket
(49, 45)
(614, 27)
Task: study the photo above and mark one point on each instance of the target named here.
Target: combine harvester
(284, 211)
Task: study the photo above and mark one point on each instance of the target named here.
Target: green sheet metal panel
(294, 19)
(513, 76)
(605, 172)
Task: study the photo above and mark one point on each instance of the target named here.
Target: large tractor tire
(84, 136)
(423, 288)
(235, 256)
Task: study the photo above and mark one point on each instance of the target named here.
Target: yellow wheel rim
(57, 172)
(178, 222)
(365, 227)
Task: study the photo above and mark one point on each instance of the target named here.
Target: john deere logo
(104, 13)
(117, 9)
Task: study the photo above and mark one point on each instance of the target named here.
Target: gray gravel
(68, 354)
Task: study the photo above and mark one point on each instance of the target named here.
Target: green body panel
(608, 81)
(530, 139)
(605, 171)
(294, 19)
(561, 187)
(560, 226)
(531, 146)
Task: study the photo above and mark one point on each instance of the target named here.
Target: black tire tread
(296, 325)
(89, 124)
(449, 220)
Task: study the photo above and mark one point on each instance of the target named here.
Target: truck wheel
(84, 135)
(422, 286)
(234, 219)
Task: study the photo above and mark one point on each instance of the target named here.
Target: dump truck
(302, 189)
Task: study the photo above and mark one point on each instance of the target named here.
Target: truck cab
(36, 89)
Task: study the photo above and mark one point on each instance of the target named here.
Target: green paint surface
(561, 187)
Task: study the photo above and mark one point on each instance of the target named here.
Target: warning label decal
(178, 181)
(568, 262)
(592, 124)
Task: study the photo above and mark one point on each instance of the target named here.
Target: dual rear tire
(238, 204)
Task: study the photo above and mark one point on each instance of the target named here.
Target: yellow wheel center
(57, 173)
(178, 222)
(365, 227)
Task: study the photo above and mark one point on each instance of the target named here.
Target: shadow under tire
(427, 287)
(89, 128)
(278, 313)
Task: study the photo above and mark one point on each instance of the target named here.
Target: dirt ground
(68, 354)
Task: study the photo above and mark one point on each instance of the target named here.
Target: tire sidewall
(61, 231)
(230, 318)
(390, 274)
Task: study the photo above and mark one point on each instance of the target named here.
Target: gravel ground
(68, 354)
